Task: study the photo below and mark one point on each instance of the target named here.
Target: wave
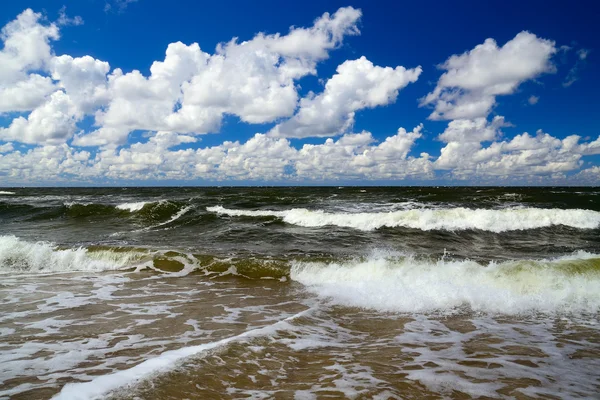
(132, 207)
(451, 219)
(381, 281)
(20, 256)
(3, 192)
(407, 284)
(152, 212)
(75, 209)
(175, 217)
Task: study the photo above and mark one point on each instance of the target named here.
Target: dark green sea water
(300, 292)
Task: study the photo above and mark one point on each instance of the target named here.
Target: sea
(300, 293)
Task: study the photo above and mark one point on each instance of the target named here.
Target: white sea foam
(17, 255)
(175, 217)
(4, 192)
(452, 219)
(100, 386)
(406, 284)
(76, 203)
(132, 207)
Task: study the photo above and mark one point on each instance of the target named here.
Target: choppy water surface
(302, 293)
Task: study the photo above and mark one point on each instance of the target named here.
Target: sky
(153, 92)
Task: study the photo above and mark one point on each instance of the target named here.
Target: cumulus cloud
(25, 94)
(26, 49)
(6, 148)
(357, 84)
(83, 79)
(521, 157)
(466, 93)
(190, 91)
(472, 80)
(50, 163)
(473, 130)
(51, 123)
(261, 158)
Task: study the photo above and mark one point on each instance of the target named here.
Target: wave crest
(450, 219)
(20, 256)
(406, 284)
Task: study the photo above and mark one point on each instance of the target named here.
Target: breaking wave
(407, 284)
(132, 207)
(158, 212)
(20, 256)
(450, 219)
(4, 192)
(381, 281)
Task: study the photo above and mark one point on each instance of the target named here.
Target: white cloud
(6, 147)
(466, 94)
(64, 19)
(83, 79)
(191, 90)
(472, 80)
(261, 158)
(473, 130)
(51, 123)
(589, 175)
(574, 72)
(47, 164)
(26, 48)
(117, 5)
(26, 94)
(357, 84)
(523, 157)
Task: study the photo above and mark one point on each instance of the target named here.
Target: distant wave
(406, 284)
(451, 219)
(161, 212)
(3, 192)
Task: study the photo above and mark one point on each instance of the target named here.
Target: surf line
(102, 385)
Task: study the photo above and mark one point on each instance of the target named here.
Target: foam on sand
(100, 386)
(451, 219)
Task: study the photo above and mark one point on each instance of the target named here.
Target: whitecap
(451, 219)
(407, 284)
(132, 207)
(21, 256)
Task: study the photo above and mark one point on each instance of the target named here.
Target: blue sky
(316, 126)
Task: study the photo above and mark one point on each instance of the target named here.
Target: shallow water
(299, 293)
